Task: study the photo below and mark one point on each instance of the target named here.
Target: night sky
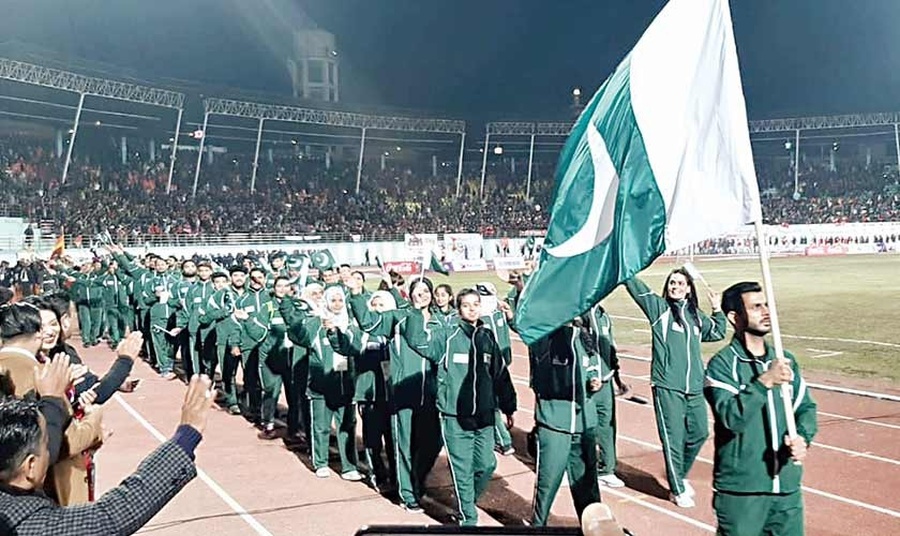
(485, 59)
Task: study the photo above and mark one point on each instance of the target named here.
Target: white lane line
(819, 354)
(832, 496)
(645, 504)
(217, 489)
(863, 421)
(856, 454)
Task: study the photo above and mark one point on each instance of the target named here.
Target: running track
(852, 476)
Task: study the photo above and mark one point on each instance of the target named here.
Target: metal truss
(28, 73)
(521, 128)
(333, 118)
(825, 122)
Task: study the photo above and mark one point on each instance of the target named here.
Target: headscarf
(386, 297)
(341, 319)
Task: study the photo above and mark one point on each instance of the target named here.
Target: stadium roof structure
(322, 117)
(794, 125)
(29, 73)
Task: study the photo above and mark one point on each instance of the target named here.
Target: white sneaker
(352, 476)
(683, 500)
(688, 488)
(323, 472)
(611, 481)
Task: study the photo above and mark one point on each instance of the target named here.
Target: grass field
(838, 314)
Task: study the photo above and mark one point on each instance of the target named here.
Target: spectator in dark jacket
(24, 459)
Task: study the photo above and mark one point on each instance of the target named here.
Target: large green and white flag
(659, 159)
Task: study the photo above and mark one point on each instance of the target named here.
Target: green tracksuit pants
(682, 426)
(207, 352)
(751, 514)
(163, 350)
(116, 317)
(300, 416)
(472, 463)
(274, 372)
(181, 345)
(502, 437)
(252, 387)
(605, 400)
(344, 419)
(377, 440)
(574, 455)
(228, 364)
(89, 323)
(417, 443)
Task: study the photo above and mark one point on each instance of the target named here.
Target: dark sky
(489, 59)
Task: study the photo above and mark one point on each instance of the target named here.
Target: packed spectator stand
(296, 195)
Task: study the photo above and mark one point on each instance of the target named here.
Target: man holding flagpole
(757, 469)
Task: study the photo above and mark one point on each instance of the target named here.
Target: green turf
(850, 297)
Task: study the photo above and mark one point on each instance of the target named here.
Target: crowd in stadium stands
(296, 196)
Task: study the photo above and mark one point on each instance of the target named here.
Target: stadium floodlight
(498, 150)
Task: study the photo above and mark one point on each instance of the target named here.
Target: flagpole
(423, 263)
(786, 388)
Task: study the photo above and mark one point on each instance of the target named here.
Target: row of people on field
(425, 371)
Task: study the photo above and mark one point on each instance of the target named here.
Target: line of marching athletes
(427, 371)
(424, 371)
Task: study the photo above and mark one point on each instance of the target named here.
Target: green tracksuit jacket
(218, 311)
(499, 326)
(473, 378)
(750, 456)
(561, 369)
(413, 382)
(331, 374)
(677, 360)
(197, 296)
(601, 329)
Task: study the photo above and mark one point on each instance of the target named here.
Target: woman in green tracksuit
(443, 301)
(331, 385)
(372, 371)
(473, 382)
(603, 345)
(497, 317)
(563, 376)
(411, 388)
(677, 373)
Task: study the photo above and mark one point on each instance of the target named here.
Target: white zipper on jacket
(474, 373)
(574, 364)
(687, 338)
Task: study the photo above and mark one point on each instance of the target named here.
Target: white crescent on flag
(599, 222)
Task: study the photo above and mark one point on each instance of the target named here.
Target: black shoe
(413, 508)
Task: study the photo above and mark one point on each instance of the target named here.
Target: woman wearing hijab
(677, 372)
(372, 368)
(411, 388)
(331, 385)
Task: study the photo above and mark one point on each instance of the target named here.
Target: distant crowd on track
(423, 367)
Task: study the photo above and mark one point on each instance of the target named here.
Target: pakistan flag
(659, 159)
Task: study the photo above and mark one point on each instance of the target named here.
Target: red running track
(249, 486)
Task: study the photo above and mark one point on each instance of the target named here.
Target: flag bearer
(756, 475)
